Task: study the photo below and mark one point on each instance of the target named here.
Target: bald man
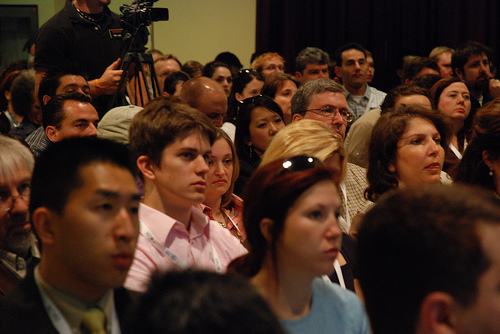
(207, 96)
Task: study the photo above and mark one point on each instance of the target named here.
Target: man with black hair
(352, 69)
(84, 208)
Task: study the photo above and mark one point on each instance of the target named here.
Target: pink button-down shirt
(194, 247)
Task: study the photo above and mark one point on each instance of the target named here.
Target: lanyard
(457, 152)
(60, 322)
(344, 195)
(171, 255)
(338, 271)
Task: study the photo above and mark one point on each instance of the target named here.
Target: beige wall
(197, 29)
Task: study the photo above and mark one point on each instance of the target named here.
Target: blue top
(333, 310)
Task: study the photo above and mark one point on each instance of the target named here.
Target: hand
(108, 82)
(494, 86)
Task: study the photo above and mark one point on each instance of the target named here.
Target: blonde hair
(307, 137)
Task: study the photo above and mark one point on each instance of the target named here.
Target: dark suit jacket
(22, 310)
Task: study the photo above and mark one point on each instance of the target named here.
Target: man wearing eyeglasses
(324, 100)
(18, 252)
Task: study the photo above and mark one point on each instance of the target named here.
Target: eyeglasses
(299, 163)
(7, 200)
(331, 112)
(274, 68)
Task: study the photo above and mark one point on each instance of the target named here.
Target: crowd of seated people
(250, 199)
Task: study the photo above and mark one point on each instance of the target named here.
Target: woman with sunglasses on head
(259, 119)
(220, 203)
(248, 83)
(291, 218)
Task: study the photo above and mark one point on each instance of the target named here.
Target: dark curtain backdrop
(388, 28)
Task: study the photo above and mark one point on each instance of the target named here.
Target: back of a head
(56, 173)
(438, 51)
(413, 68)
(162, 122)
(402, 90)
(302, 97)
(194, 90)
(172, 80)
(185, 302)
(229, 59)
(22, 92)
(310, 55)
(418, 241)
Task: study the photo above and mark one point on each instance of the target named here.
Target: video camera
(141, 12)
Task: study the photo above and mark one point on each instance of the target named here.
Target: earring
(251, 152)
(491, 172)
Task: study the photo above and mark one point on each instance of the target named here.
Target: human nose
(128, 225)
(334, 232)
(201, 167)
(323, 75)
(219, 169)
(92, 130)
(273, 129)
(434, 148)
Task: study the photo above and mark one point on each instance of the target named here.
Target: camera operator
(83, 36)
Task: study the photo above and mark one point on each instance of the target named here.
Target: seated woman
(480, 164)
(316, 139)
(259, 119)
(220, 203)
(451, 97)
(246, 84)
(281, 87)
(291, 211)
(407, 149)
(221, 73)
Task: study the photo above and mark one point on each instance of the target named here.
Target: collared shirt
(38, 141)
(371, 99)
(234, 216)
(194, 246)
(17, 264)
(72, 308)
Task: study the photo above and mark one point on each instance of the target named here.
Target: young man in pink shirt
(172, 142)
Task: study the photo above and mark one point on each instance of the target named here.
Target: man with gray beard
(18, 250)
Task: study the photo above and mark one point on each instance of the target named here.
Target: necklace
(86, 16)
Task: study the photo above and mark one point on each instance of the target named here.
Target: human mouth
(220, 182)
(435, 167)
(200, 185)
(332, 253)
(122, 260)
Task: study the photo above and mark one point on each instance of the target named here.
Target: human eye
(416, 141)
(452, 95)
(466, 96)
(188, 155)
(437, 140)
(262, 125)
(315, 214)
(134, 209)
(229, 80)
(278, 120)
(227, 161)
(4, 195)
(24, 188)
(210, 161)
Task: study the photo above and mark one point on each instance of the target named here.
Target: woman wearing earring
(259, 119)
(480, 164)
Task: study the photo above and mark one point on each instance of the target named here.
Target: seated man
(429, 261)
(18, 252)
(172, 142)
(84, 207)
(311, 63)
(52, 84)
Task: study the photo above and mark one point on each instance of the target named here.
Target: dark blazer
(8, 280)
(22, 310)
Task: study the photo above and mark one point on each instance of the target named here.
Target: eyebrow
(115, 195)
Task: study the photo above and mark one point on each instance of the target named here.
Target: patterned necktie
(93, 321)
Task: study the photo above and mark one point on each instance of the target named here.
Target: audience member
(315, 139)
(246, 84)
(230, 60)
(406, 149)
(358, 137)
(220, 73)
(442, 56)
(451, 97)
(311, 63)
(174, 82)
(220, 203)
(428, 261)
(370, 67)
(164, 67)
(78, 35)
(480, 164)
(83, 205)
(155, 54)
(268, 64)
(281, 87)
(193, 68)
(323, 100)
(201, 302)
(18, 251)
(207, 96)
(417, 67)
(115, 124)
(291, 210)
(259, 120)
(352, 70)
(171, 143)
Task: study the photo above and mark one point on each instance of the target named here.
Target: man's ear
(52, 133)
(238, 97)
(392, 167)
(266, 228)
(298, 75)
(45, 99)
(43, 220)
(437, 314)
(337, 71)
(146, 166)
(459, 73)
(486, 158)
(297, 117)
